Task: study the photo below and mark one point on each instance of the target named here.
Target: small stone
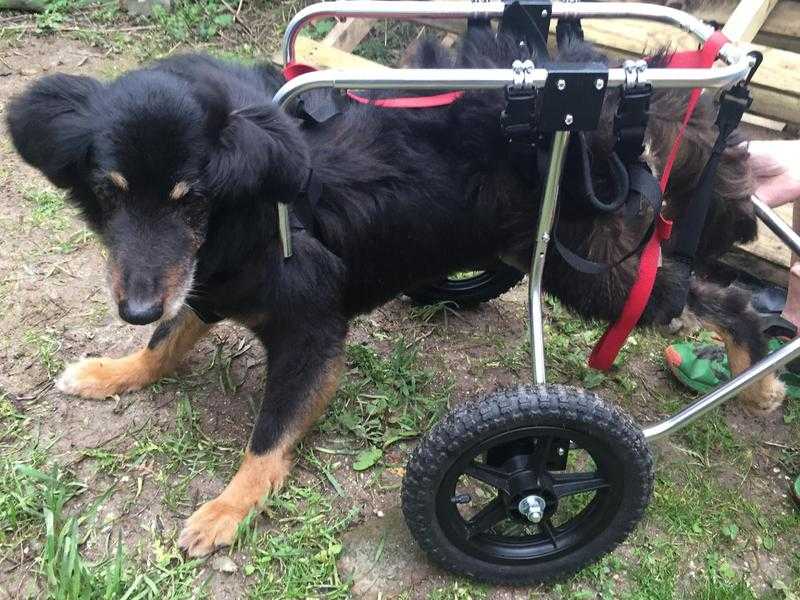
(28, 72)
(379, 513)
(224, 564)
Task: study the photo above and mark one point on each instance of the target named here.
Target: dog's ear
(260, 153)
(213, 99)
(51, 126)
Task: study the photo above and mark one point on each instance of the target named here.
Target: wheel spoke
(487, 517)
(541, 454)
(568, 484)
(546, 525)
(489, 475)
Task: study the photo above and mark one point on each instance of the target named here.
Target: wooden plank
(324, 57)
(783, 20)
(763, 122)
(776, 86)
(747, 19)
(741, 261)
(347, 34)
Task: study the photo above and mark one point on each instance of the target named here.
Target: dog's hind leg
(103, 377)
(728, 312)
(303, 366)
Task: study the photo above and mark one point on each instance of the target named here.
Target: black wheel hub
(522, 463)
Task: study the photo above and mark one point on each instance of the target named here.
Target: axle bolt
(568, 119)
(532, 508)
(599, 84)
(544, 14)
(561, 84)
(561, 452)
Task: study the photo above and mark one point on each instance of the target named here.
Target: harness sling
(605, 351)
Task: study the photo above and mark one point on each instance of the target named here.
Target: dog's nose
(138, 312)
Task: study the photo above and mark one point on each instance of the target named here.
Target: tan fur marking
(765, 395)
(172, 282)
(115, 281)
(118, 179)
(179, 191)
(214, 524)
(100, 378)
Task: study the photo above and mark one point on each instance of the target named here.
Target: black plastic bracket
(528, 21)
(519, 119)
(572, 97)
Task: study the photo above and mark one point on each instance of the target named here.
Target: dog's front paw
(100, 378)
(211, 526)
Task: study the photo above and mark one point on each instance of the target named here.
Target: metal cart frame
(737, 66)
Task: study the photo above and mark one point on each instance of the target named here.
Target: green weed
(47, 207)
(45, 347)
(385, 399)
(297, 559)
(188, 20)
(719, 581)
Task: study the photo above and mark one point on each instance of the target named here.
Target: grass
(175, 456)
(385, 399)
(297, 557)
(47, 207)
(45, 347)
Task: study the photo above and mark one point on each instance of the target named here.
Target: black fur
(407, 196)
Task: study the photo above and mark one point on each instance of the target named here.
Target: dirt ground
(720, 525)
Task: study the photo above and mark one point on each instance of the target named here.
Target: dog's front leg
(103, 377)
(303, 369)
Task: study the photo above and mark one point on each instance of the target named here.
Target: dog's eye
(180, 191)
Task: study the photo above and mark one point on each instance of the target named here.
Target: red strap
(293, 69)
(607, 348)
(409, 101)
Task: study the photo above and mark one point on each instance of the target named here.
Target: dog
(179, 167)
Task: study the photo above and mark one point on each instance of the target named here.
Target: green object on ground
(703, 367)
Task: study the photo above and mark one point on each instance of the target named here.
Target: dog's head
(149, 158)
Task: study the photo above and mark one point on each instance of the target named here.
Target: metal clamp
(635, 71)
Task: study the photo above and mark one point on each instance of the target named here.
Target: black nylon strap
(528, 21)
(643, 188)
(302, 209)
(733, 104)
(568, 31)
(630, 122)
(619, 175)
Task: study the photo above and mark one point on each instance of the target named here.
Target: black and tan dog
(179, 167)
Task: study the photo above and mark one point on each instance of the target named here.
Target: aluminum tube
(778, 226)
(547, 215)
(437, 9)
(713, 399)
(489, 79)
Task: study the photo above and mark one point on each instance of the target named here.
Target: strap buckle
(630, 121)
(518, 120)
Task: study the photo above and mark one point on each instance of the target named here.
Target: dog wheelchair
(534, 483)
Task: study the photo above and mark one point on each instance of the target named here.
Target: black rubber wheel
(481, 286)
(584, 464)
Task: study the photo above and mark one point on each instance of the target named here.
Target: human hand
(776, 168)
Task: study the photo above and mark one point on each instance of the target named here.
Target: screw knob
(532, 508)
